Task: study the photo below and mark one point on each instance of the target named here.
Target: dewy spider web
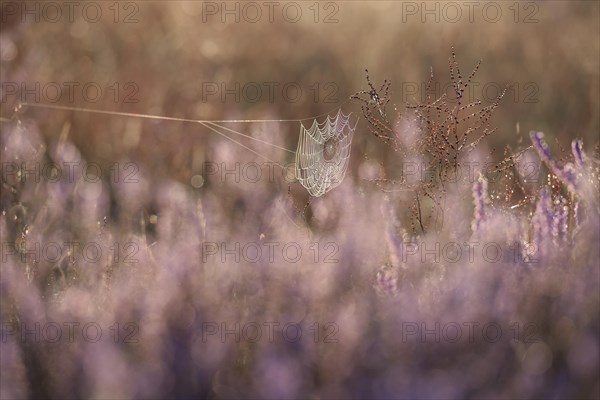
(321, 157)
(323, 153)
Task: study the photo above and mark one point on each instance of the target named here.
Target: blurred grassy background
(167, 54)
(170, 51)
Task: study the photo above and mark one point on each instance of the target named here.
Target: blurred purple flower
(577, 149)
(386, 281)
(567, 174)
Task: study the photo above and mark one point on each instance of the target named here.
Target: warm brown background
(551, 53)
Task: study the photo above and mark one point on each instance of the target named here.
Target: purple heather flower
(567, 174)
(386, 281)
(577, 149)
(537, 138)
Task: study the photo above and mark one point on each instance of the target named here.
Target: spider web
(323, 153)
(321, 157)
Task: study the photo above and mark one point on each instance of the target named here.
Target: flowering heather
(386, 281)
(567, 173)
(577, 149)
(177, 277)
(180, 292)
